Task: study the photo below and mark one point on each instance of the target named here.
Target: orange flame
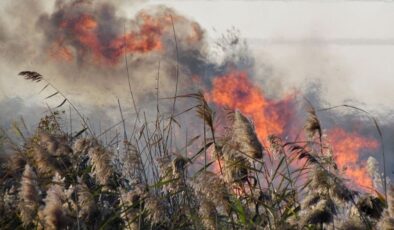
(85, 28)
(60, 52)
(347, 147)
(147, 39)
(236, 91)
(84, 32)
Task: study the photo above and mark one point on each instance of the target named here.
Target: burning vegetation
(244, 167)
(229, 180)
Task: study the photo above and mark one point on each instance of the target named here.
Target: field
(229, 180)
(204, 144)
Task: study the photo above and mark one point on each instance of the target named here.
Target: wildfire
(83, 32)
(147, 39)
(59, 52)
(88, 34)
(236, 91)
(77, 32)
(347, 147)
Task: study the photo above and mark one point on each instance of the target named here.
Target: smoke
(94, 33)
(84, 43)
(83, 46)
(319, 74)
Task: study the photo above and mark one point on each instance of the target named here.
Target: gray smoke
(84, 42)
(41, 37)
(80, 46)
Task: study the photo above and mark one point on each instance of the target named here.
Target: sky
(345, 46)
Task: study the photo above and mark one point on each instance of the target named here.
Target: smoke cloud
(83, 47)
(84, 43)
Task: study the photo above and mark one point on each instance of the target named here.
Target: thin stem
(128, 74)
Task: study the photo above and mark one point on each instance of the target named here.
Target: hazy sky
(346, 46)
(349, 46)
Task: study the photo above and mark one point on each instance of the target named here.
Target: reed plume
(53, 215)
(155, 208)
(86, 202)
(28, 196)
(31, 75)
(101, 161)
(245, 138)
(211, 187)
(321, 213)
(120, 185)
(312, 124)
(82, 145)
(131, 204)
(43, 161)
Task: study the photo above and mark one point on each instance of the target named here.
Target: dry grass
(59, 180)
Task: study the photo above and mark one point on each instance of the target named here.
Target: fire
(84, 29)
(347, 147)
(147, 39)
(87, 34)
(83, 32)
(236, 91)
(58, 51)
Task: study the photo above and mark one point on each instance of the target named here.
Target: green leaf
(240, 211)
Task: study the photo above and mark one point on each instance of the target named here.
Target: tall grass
(55, 179)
